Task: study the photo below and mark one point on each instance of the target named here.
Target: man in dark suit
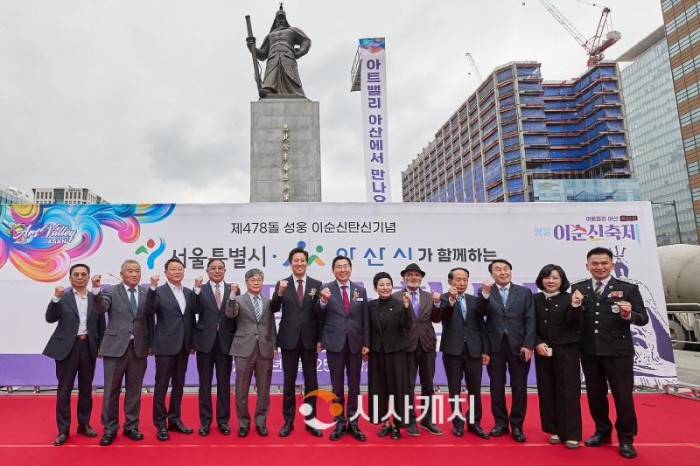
(421, 345)
(610, 306)
(172, 305)
(124, 350)
(510, 325)
(344, 331)
(465, 348)
(298, 335)
(212, 340)
(74, 346)
(254, 349)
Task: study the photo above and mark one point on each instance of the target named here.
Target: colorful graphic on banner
(374, 116)
(41, 241)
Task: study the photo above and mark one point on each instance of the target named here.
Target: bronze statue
(281, 48)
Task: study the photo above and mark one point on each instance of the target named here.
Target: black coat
(65, 312)
(388, 321)
(558, 322)
(456, 332)
(297, 321)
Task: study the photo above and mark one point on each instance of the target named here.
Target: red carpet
(669, 433)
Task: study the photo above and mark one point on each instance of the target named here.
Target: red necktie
(300, 291)
(346, 300)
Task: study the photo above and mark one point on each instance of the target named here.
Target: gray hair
(253, 272)
(127, 262)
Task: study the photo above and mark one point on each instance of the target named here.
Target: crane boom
(473, 65)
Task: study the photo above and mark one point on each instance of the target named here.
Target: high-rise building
(682, 25)
(69, 195)
(654, 133)
(12, 195)
(519, 139)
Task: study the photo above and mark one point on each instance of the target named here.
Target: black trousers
(338, 362)
(517, 369)
(207, 363)
(81, 363)
(170, 370)
(132, 369)
(616, 371)
(470, 368)
(386, 378)
(290, 367)
(421, 363)
(559, 391)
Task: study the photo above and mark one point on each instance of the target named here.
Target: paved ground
(688, 366)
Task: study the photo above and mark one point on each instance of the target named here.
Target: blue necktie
(462, 306)
(256, 307)
(132, 301)
(504, 294)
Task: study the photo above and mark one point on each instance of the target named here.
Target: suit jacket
(211, 317)
(516, 317)
(421, 328)
(174, 327)
(387, 327)
(605, 333)
(456, 332)
(65, 312)
(558, 322)
(297, 321)
(337, 327)
(116, 302)
(249, 329)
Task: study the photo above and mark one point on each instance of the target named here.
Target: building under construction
(519, 139)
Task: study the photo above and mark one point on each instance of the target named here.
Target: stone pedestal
(285, 151)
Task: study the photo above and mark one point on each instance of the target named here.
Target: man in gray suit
(74, 346)
(253, 350)
(124, 350)
(510, 326)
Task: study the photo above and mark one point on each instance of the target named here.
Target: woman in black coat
(557, 361)
(389, 317)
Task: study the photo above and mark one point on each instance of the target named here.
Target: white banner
(38, 244)
(374, 117)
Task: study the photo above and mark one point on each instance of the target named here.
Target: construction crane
(594, 46)
(472, 63)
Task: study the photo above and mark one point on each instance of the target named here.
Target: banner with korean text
(374, 117)
(38, 243)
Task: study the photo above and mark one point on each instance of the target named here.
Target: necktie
(504, 294)
(300, 291)
(416, 305)
(346, 300)
(132, 301)
(598, 289)
(462, 307)
(256, 307)
(217, 296)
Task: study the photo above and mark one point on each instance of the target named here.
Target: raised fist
(96, 280)
(282, 287)
(577, 298)
(154, 280)
(198, 282)
(436, 298)
(325, 295)
(406, 299)
(486, 288)
(59, 291)
(234, 289)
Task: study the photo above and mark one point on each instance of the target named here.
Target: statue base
(280, 126)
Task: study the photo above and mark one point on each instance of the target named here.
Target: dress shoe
(554, 439)
(243, 431)
(572, 444)
(413, 430)
(179, 427)
(384, 431)
(337, 432)
(627, 451)
(224, 428)
(498, 431)
(162, 434)
(314, 431)
(518, 435)
(262, 431)
(86, 430)
(458, 431)
(395, 433)
(61, 439)
(286, 429)
(106, 440)
(430, 427)
(478, 431)
(133, 434)
(357, 433)
(204, 430)
(597, 439)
